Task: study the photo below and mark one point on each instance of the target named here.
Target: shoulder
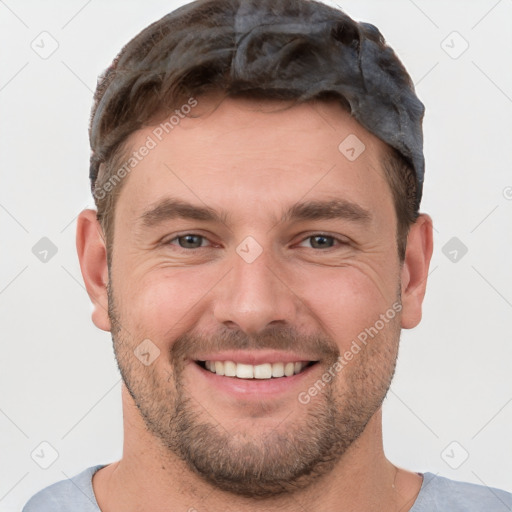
(440, 494)
(71, 495)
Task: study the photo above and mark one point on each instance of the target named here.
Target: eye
(189, 241)
(195, 241)
(321, 241)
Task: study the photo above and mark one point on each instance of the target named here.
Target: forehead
(240, 152)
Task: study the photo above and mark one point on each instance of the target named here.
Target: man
(257, 247)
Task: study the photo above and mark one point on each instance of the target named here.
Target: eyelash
(338, 240)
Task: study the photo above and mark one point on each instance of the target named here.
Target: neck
(148, 478)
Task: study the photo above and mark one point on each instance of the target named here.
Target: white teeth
(219, 367)
(278, 370)
(244, 371)
(289, 369)
(229, 369)
(263, 371)
(259, 371)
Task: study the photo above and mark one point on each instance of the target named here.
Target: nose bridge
(253, 295)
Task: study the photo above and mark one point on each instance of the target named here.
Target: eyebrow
(326, 210)
(170, 208)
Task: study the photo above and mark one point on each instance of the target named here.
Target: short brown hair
(299, 50)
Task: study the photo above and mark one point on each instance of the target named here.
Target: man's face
(273, 278)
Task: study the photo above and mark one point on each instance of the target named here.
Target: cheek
(344, 300)
(162, 303)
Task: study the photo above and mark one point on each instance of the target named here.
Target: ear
(92, 254)
(414, 270)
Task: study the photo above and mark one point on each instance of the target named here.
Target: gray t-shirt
(437, 494)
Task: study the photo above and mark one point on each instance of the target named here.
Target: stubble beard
(280, 461)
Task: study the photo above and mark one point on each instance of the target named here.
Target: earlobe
(414, 271)
(92, 254)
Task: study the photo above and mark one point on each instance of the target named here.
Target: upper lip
(255, 357)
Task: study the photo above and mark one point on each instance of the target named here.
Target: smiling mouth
(259, 371)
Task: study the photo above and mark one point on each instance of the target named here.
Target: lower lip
(256, 388)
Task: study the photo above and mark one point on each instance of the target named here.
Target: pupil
(190, 240)
(322, 240)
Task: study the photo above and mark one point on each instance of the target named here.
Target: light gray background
(58, 377)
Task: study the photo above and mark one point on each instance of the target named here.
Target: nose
(255, 295)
